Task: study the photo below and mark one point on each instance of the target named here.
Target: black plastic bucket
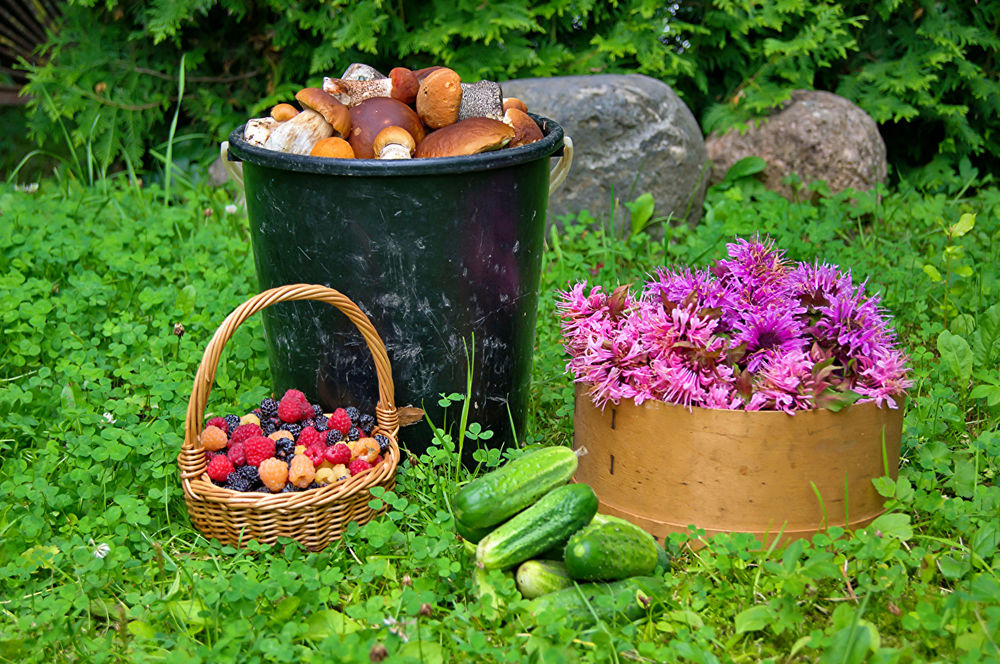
(442, 254)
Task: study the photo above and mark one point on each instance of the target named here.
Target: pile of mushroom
(424, 113)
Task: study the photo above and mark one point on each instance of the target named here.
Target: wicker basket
(315, 517)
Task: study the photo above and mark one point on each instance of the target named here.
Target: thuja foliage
(925, 68)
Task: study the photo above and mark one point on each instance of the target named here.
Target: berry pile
(290, 445)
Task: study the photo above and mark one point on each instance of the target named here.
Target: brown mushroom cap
(404, 85)
(328, 106)
(283, 112)
(470, 136)
(421, 74)
(525, 129)
(373, 115)
(439, 98)
(333, 147)
(514, 102)
(393, 135)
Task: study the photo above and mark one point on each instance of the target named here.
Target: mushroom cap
(421, 74)
(470, 136)
(373, 115)
(393, 136)
(514, 102)
(283, 112)
(525, 129)
(332, 147)
(404, 85)
(328, 106)
(439, 98)
(359, 71)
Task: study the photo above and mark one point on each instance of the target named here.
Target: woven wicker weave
(315, 517)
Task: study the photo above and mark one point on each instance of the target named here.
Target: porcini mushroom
(394, 143)
(514, 102)
(332, 147)
(525, 129)
(258, 130)
(299, 134)
(284, 112)
(373, 115)
(470, 136)
(358, 71)
(439, 98)
(329, 107)
(421, 74)
(482, 99)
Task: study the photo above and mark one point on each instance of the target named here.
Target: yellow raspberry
(213, 438)
(324, 475)
(273, 473)
(281, 433)
(340, 472)
(367, 449)
(301, 472)
(250, 418)
(300, 449)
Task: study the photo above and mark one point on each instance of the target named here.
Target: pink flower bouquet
(752, 332)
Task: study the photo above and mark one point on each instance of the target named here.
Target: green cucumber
(582, 602)
(498, 495)
(662, 557)
(541, 577)
(557, 515)
(610, 551)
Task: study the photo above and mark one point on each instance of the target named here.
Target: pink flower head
(883, 377)
(782, 384)
(756, 272)
(766, 333)
(816, 285)
(853, 324)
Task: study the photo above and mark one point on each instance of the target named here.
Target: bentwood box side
(665, 467)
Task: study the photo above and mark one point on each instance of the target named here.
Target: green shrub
(924, 69)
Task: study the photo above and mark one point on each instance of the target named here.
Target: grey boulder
(817, 136)
(632, 135)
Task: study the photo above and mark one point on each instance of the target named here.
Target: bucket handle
(559, 172)
(233, 168)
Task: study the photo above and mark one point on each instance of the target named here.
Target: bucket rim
(548, 146)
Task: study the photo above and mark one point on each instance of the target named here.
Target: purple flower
(782, 384)
(816, 285)
(756, 273)
(768, 332)
(883, 376)
(852, 324)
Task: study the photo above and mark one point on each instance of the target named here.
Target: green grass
(93, 392)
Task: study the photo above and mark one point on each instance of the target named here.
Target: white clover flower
(100, 550)
(231, 209)
(109, 417)
(27, 188)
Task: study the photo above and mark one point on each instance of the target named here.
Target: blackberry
(354, 414)
(248, 474)
(317, 410)
(291, 428)
(354, 434)
(238, 482)
(366, 422)
(307, 423)
(284, 449)
(319, 423)
(383, 443)
(269, 408)
(333, 437)
(314, 485)
(233, 422)
(291, 488)
(267, 426)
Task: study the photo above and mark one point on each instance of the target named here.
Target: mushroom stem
(358, 71)
(482, 99)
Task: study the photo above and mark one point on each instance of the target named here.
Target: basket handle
(385, 410)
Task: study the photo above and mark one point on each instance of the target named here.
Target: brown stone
(817, 136)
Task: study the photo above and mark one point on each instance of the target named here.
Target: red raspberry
(257, 449)
(309, 437)
(237, 454)
(338, 454)
(294, 407)
(219, 468)
(219, 422)
(340, 421)
(243, 432)
(358, 466)
(316, 454)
